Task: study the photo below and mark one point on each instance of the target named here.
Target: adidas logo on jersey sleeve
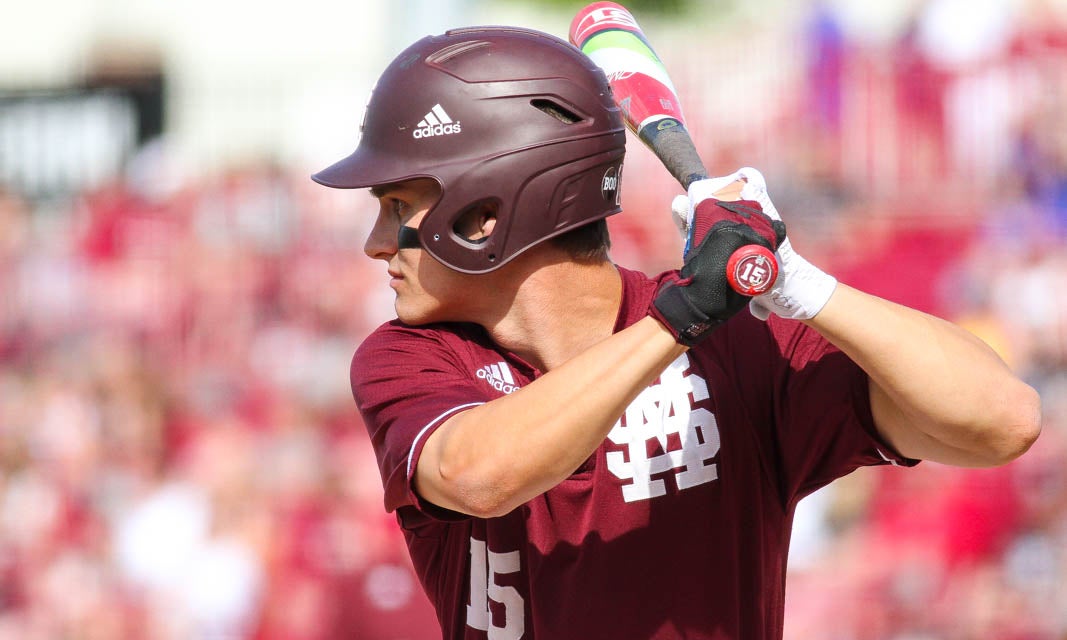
(436, 123)
(498, 376)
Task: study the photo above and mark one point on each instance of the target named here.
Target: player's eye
(392, 207)
(404, 210)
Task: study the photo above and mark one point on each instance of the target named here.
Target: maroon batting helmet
(511, 118)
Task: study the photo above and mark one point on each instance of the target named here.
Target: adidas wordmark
(498, 376)
(436, 123)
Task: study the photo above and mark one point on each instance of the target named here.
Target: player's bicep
(428, 480)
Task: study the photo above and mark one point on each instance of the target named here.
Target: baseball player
(576, 450)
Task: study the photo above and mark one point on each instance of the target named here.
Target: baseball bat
(611, 37)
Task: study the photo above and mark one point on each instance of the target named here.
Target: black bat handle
(672, 144)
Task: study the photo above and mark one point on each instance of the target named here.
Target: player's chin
(413, 312)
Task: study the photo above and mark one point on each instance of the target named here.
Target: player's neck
(559, 310)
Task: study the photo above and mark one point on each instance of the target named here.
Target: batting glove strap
(801, 291)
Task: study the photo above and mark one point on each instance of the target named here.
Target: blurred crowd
(179, 452)
(180, 456)
(960, 209)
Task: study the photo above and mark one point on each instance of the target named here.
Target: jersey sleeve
(406, 383)
(810, 402)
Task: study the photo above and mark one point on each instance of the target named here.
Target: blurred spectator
(826, 51)
(920, 101)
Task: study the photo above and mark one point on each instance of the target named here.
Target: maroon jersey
(677, 526)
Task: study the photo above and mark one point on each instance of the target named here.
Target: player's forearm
(491, 459)
(938, 392)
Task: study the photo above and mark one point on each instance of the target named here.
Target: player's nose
(381, 242)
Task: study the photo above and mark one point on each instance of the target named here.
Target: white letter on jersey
(660, 410)
(485, 566)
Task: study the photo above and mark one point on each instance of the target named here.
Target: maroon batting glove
(698, 298)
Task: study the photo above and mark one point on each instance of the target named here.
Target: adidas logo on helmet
(436, 123)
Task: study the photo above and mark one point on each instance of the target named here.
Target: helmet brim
(364, 168)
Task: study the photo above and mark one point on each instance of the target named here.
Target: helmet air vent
(444, 55)
(556, 110)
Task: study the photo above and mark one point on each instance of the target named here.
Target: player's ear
(477, 223)
(488, 224)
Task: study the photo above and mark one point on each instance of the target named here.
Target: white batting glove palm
(802, 289)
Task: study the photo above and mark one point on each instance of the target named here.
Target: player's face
(426, 290)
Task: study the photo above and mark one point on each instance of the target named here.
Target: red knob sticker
(751, 270)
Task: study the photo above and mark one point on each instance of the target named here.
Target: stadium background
(179, 453)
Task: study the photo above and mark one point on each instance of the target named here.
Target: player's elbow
(491, 505)
(485, 501)
(482, 491)
(1014, 424)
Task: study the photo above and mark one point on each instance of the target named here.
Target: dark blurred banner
(60, 142)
